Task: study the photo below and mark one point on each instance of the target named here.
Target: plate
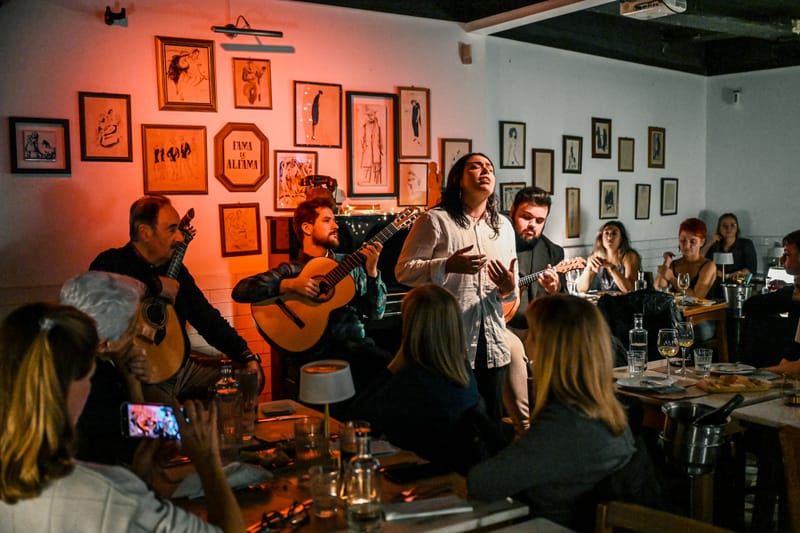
(732, 368)
(694, 300)
(645, 382)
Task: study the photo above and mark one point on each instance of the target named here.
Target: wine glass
(685, 340)
(683, 284)
(668, 344)
(572, 281)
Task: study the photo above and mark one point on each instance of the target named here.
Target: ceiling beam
(529, 14)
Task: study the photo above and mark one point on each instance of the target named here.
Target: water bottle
(637, 336)
(640, 283)
(228, 398)
(362, 487)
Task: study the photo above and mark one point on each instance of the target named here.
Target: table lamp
(775, 255)
(325, 382)
(723, 259)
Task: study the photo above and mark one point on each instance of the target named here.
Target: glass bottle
(362, 487)
(228, 398)
(637, 336)
(640, 283)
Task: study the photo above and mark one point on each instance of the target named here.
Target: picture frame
(512, 144)
(571, 154)
(279, 239)
(601, 138)
(413, 190)
(625, 154)
(185, 74)
(609, 199)
(372, 144)
(642, 207)
(450, 151)
(39, 145)
(317, 114)
(415, 122)
(105, 126)
(240, 229)
(573, 213)
(656, 147)
(542, 168)
(669, 196)
(292, 168)
(252, 83)
(241, 157)
(174, 159)
(508, 191)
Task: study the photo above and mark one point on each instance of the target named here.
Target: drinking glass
(685, 340)
(668, 344)
(572, 281)
(683, 284)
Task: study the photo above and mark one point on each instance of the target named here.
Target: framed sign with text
(240, 157)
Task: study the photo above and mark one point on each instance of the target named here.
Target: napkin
(443, 505)
(238, 474)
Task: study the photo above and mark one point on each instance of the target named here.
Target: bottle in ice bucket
(362, 487)
(228, 398)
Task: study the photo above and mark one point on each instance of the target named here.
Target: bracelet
(252, 357)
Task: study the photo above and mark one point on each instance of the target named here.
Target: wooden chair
(790, 448)
(613, 516)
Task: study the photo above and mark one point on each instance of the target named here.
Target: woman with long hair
(613, 264)
(727, 239)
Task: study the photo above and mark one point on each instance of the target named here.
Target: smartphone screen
(148, 421)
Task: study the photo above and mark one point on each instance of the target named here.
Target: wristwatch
(252, 357)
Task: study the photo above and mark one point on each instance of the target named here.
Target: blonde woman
(613, 264)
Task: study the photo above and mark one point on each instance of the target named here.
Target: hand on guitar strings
(371, 252)
(503, 277)
(549, 280)
(303, 285)
(462, 263)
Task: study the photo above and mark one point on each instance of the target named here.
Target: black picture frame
(669, 196)
(105, 126)
(39, 145)
(642, 205)
(317, 114)
(512, 144)
(656, 147)
(372, 133)
(601, 138)
(571, 154)
(609, 199)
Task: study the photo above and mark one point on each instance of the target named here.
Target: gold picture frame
(185, 74)
(240, 157)
(174, 159)
(252, 83)
(240, 229)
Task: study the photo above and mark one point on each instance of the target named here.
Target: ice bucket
(692, 447)
(736, 294)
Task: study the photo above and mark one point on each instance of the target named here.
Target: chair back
(621, 516)
(790, 448)
(657, 307)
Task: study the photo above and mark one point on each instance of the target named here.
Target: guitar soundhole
(325, 292)
(156, 313)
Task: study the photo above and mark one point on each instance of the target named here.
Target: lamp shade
(326, 381)
(776, 251)
(723, 258)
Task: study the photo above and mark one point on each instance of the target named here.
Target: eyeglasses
(295, 515)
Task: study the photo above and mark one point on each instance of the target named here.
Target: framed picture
(174, 159)
(240, 229)
(413, 184)
(572, 154)
(543, 168)
(625, 151)
(279, 228)
(240, 157)
(317, 114)
(415, 122)
(452, 150)
(601, 138)
(512, 144)
(252, 83)
(185, 74)
(609, 199)
(642, 201)
(508, 191)
(372, 144)
(669, 196)
(656, 147)
(291, 170)
(573, 212)
(105, 127)
(39, 145)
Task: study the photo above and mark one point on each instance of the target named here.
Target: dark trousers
(490, 380)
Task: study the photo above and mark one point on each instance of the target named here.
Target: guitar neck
(530, 278)
(177, 260)
(355, 259)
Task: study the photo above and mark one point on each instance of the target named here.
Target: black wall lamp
(232, 30)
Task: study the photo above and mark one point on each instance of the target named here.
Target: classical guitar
(294, 322)
(159, 329)
(567, 265)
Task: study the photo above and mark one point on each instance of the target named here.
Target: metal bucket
(736, 294)
(692, 447)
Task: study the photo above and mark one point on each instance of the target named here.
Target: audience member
(727, 240)
(47, 356)
(613, 264)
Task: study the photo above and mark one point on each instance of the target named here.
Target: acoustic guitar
(567, 265)
(159, 329)
(295, 322)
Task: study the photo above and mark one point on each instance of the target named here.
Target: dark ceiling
(710, 37)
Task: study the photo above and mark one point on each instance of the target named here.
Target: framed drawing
(625, 154)
(252, 83)
(601, 138)
(571, 154)
(174, 159)
(669, 196)
(512, 144)
(609, 199)
(372, 144)
(240, 157)
(452, 150)
(656, 147)
(508, 191)
(415, 122)
(240, 229)
(185, 74)
(39, 145)
(105, 123)
(573, 212)
(291, 170)
(543, 168)
(317, 114)
(279, 228)
(413, 184)
(642, 201)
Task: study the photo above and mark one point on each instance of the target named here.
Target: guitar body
(296, 323)
(159, 332)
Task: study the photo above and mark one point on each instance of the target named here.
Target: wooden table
(717, 312)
